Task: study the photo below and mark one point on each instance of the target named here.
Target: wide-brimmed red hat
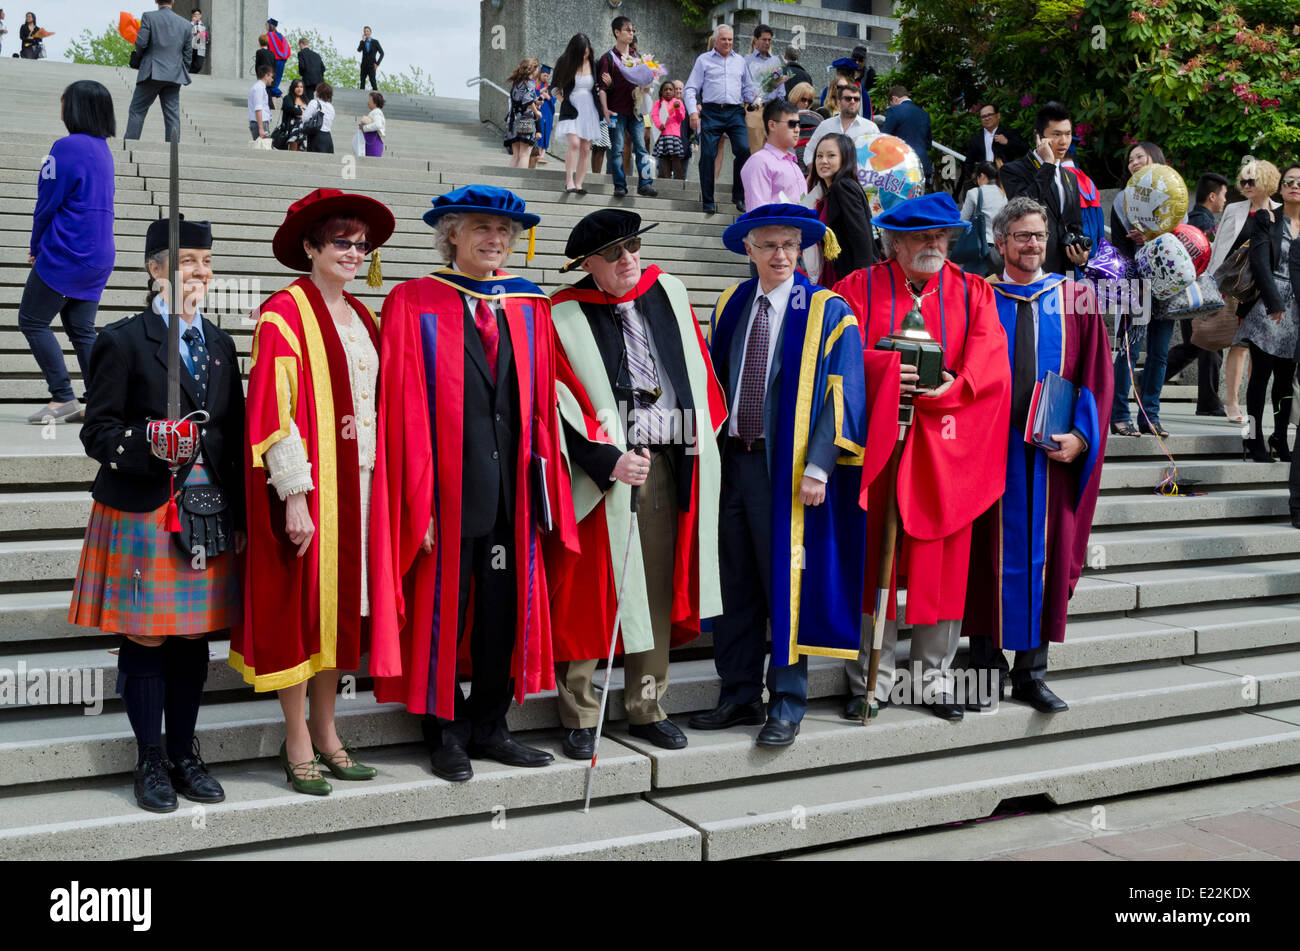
(325, 203)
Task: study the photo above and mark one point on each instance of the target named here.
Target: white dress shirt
(988, 145)
(833, 125)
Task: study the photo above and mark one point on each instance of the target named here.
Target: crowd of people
(488, 439)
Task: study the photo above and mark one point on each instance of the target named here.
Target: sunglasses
(631, 246)
(844, 97)
(1246, 181)
(344, 245)
(789, 123)
(1291, 183)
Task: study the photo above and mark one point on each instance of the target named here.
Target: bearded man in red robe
(951, 470)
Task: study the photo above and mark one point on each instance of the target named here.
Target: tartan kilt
(133, 579)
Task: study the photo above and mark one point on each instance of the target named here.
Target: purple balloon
(1109, 263)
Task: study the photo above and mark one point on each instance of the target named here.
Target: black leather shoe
(648, 190)
(664, 734)
(740, 207)
(190, 778)
(511, 752)
(710, 208)
(979, 703)
(946, 707)
(580, 743)
(1036, 694)
(1212, 412)
(153, 787)
(1295, 519)
(777, 732)
(449, 761)
(726, 715)
(620, 191)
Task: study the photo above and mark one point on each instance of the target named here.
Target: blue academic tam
(481, 200)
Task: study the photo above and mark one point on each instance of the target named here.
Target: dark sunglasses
(631, 246)
(1246, 181)
(343, 244)
(791, 123)
(845, 95)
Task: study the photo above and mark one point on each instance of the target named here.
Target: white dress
(587, 125)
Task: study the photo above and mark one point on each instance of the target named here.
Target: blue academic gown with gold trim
(815, 411)
(1029, 548)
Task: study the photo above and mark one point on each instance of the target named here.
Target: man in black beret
(640, 407)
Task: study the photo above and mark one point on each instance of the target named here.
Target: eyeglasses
(1024, 237)
(344, 245)
(1291, 183)
(987, 115)
(769, 248)
(631, 246)
(1246, 182)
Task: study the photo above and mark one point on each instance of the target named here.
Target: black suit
(487, 546)
(797, 75)
(597, 459)
(1015, 148)
(128, 386)
(370, 58)
(1030, 176)
(311, 68)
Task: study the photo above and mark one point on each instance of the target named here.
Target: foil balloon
(888, 170)
(1164, 262)
(1155, 200)
(1196, 243)
(1200, 299)
(1109, 263)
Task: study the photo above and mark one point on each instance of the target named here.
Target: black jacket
(1265, 256)
(797, 75)
(372, 58)
(311, 67)
(1015, 148)
(491, 433)
(597, 459)
(262, 58)
(1030, 176)
(848, 215)
(128, 387)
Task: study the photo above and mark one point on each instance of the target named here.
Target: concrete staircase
(1182, 661)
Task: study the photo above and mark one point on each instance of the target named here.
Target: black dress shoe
(946, 707)
(1212, 412)
(1036, 694)
(740, 207)
(511, 752)
(726, 715)
(1295, 519)
(153, 787)
(620, 191)
(664, 734)
(979, 702)
(777, 732)
(710, 208)
(648, 190)
(580, 743)
(190, 778)
(449, 761)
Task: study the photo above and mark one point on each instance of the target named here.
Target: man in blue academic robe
(791, 533)
(1028, 549)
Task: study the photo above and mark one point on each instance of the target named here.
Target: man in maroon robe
(1028, 549)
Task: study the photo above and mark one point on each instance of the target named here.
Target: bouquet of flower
(772, 79)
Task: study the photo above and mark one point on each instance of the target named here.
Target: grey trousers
(145, 93)
(934, 646)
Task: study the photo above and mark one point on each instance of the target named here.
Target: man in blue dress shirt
(717, 91)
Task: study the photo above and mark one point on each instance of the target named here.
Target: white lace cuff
(287, 465)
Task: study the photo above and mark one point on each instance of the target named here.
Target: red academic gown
(417, 477)
(583, 600)
(301, 615)
(950, 470)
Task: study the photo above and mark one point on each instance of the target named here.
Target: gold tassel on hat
(375, 276)
(532, 244)
(830, 245)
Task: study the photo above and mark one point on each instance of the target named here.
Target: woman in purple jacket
(72, 250)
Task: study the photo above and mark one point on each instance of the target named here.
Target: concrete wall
(513, 29)
(234, 26)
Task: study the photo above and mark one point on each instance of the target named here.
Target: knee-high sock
(140, 682)
(187, 670)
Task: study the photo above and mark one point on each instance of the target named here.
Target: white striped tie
(650, 428)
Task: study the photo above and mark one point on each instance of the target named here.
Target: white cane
(609, 661)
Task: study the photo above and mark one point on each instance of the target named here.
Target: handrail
(483, 81)
(947, 151)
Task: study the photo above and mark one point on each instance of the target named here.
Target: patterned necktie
(198, 361)
(753, 377)
(650, 428)
(488, 332)
(1024, 372)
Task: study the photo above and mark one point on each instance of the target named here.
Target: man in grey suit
(165, 44)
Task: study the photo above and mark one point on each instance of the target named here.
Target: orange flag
(128, 26)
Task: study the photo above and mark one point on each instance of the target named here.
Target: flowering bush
(1207, 80)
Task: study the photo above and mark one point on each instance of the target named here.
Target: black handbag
(971, 252)
(205, 521)
(280, 136)
(1235, 278)
(313, 122)
(134, 59)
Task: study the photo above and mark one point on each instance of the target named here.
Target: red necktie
(488, 332)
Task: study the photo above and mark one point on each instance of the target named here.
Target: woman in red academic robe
(309, 455)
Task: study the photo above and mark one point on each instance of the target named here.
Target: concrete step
(36, 615)
(814, 809)
(1194, 473)
(1200, 583)
(62, 512)
(1113, 510)
(1171, 541)
(615, 829)
(98, 819)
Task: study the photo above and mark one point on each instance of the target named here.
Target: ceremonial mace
(174, 440)
(915, 347)
(644, 398)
